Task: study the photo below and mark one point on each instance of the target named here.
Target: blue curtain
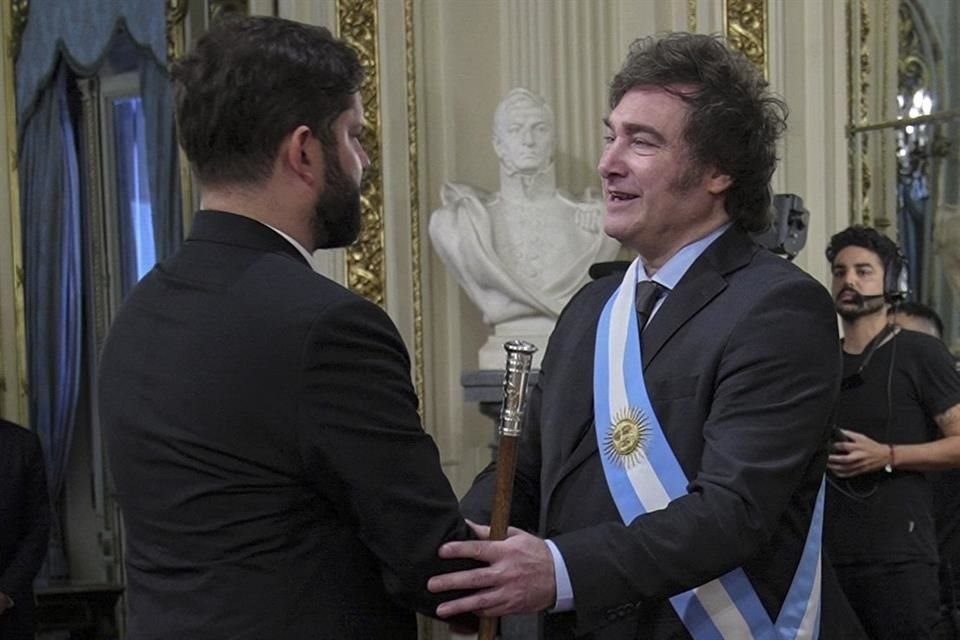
(127, 141)
(81, 31)
(161, 157)
(50, 188)
(77, 34)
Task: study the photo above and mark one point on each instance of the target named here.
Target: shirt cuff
(562, 578)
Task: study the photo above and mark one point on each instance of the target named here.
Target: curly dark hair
(733, 122)
(867, 238)
(248, 83)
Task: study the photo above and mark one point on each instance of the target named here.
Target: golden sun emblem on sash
(627, 437)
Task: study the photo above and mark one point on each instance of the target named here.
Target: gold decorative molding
(745, 23)
(692, 16)
(366, 273)
(416, 264)
(14, 22)
(911, 65)
(414, 177)
(176, 29)
(858, 86)
(177, 11)
(19, 11)
(881, 218)
(865, 69)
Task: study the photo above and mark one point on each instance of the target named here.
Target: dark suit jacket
(742, 363)
(270, 463)
(24, 525)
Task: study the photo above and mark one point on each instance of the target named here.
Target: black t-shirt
(881, 516)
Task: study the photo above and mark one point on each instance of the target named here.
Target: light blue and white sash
(643, 475)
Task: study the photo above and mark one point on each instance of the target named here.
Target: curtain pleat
(50, 188)
(77, 35)
(161, 158)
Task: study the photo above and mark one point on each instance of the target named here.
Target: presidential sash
(643, 475)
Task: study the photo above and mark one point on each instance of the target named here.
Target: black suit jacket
(24, 525)
(742, 364)
(270, 463)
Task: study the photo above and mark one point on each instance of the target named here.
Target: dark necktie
(648, 292)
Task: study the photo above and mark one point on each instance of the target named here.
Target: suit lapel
(705, 279)
(691, 295)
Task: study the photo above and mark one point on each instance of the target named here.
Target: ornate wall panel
(875, 28)
(416, 224)
(858, 25)
(13, 357)
(745, 23)
(366, 274)
(372, 269)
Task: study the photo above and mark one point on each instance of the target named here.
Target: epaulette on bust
(601, 269)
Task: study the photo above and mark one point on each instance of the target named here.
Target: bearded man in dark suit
(674, 476)
(263, 434)
(24, 527)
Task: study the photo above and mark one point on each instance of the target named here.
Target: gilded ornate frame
(14, 21)
(745, 24)
(358, 24)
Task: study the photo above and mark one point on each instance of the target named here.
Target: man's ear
(302, 154)
(498, 146)
(718, 182)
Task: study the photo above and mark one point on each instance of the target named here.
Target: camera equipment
(896, 281)
(787, 233)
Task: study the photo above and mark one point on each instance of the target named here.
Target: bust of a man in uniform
(520, 253)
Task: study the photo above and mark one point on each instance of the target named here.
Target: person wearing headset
(897, 417)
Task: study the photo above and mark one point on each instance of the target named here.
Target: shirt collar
(672, 271)
(296, 245)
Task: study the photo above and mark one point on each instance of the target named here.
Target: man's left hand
(857, 455)
(519, 578)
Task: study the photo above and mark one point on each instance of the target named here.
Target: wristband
(889, 466)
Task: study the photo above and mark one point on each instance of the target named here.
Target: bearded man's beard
(859, 307)
(336, 216)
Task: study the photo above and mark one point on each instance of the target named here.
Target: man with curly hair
(674, 477)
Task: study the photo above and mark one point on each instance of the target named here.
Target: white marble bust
(520, 253)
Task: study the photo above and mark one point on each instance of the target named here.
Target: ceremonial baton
(519, 359)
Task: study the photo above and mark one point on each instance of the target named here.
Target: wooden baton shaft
(500, 518)
(503, 495)
(519, 361)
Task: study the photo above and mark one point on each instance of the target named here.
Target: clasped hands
(518, 578)
(856, 455)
